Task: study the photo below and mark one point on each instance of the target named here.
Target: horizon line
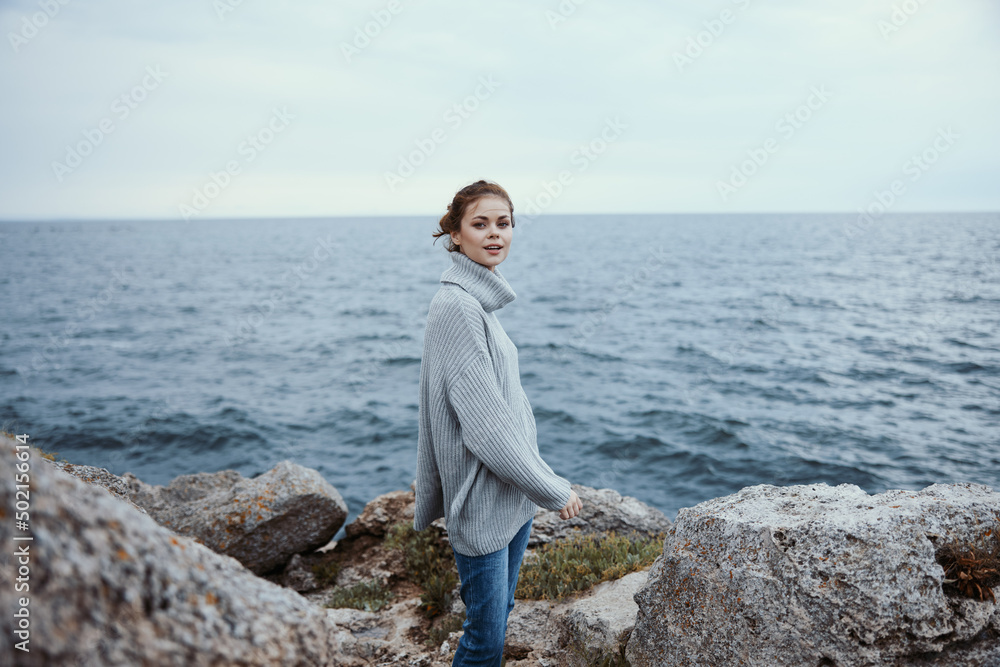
(437, 216)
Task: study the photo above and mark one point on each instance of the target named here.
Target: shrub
(437, 598)
(326, 572)
(560, 568)
(367, 595)
(429, 564)
(444, 627)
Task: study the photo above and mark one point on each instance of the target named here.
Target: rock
(382, 512)
(260, 521)
(110, 586)
(382, 638)
(99, 477)
(816, 575)
(604, 616)
(592, 620)
(603, 510)
(362, 554)
(298, 575)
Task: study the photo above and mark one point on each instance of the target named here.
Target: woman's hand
(573, 506)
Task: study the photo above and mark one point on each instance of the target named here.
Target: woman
(478, 464)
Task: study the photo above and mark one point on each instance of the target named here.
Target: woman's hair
(464, 198)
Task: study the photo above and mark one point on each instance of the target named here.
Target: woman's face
(486, 223)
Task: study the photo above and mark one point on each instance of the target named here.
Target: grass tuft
(443, 627)
(366, 595)
(561, 568)
(326, 572)
(429, 564)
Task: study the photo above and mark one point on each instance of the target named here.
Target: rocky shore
(215, 568)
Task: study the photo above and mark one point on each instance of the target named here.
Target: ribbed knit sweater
(478, 463)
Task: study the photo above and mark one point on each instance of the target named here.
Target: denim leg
(515, 552)
(484, 591)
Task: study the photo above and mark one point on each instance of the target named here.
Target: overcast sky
(198, 109)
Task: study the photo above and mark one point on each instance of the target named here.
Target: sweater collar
(489, 287)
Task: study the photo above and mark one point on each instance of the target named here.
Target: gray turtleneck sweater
(478, 464)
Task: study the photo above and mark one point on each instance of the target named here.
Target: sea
(673, 358)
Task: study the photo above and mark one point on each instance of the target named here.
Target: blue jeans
(488, 584)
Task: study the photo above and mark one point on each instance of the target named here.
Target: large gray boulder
(816, 575)
(110, 586)
(261, 521)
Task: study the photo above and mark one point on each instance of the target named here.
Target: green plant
(326, 572)
(560, 568)
(428, 564)
(437, 598)
(367, 595)
(443, 627)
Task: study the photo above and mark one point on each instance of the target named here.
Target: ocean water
(673, 358)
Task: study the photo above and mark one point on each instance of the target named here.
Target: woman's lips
(494, 251)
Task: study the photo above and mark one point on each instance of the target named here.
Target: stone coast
(215, 568)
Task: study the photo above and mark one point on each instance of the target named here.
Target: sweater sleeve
(492, 433)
